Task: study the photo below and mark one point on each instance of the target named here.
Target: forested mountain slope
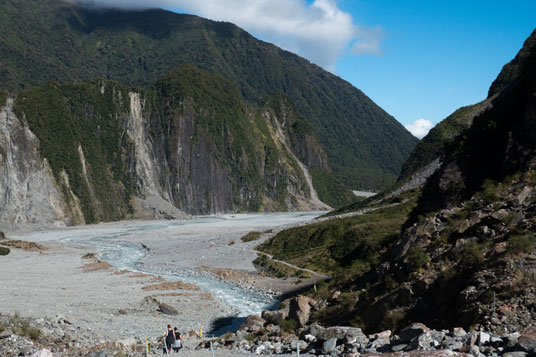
(54, 40)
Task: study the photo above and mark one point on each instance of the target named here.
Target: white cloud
(320, 32)
(420, 127)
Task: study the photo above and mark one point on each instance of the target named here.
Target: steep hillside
(464, 256)
(189, 143)
(54, 40)
(435, 144)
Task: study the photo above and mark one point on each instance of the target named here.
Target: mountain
(46, 40)
(459, 251)
(96, 151)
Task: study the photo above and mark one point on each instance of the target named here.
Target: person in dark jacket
(169, 338)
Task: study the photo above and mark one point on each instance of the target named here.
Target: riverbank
(67, 280)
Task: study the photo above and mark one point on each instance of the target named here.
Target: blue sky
(418, 60)
(435, 55)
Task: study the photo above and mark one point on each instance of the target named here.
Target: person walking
(179, 342)
(169, 338)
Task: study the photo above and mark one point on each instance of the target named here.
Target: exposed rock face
(28, 193)
(151, 154)
(300, 309)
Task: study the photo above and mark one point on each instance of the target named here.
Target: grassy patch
(521, 243)
(21, 327)
(3, 98)
(251, 236)
(340, 244)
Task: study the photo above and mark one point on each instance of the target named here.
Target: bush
(489, 192)
(2, 235)
(416, 257)
(22, 328)
(473, 253)
(251, 236)
(89, 256)
(521, 243)
(4, 251)
(288, 325)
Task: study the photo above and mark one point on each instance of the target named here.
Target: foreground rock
(47, 337)
(414, 340)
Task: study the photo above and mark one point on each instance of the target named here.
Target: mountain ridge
(58, 41)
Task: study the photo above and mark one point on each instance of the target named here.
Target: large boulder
(253, 323)
(408, 333)
(274, 317)
(300, 310)
(329, 346)
(167, 309)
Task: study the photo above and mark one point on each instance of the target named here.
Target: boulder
(355, 335)
(337, 332)
(274, 317)
(424, 341)
(408, 333)
(459, 332)
(42, 353)
(300, 309)
(316, 330)
(128, 342)
(302, 345)
(522, 196)
(329, 346)
(253, 323)
(483, 338)
(193, 334)
(167, 309)
(510, 339)
(452, 344)
(310, 338)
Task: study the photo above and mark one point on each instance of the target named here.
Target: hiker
(169, 338)
(179, 342)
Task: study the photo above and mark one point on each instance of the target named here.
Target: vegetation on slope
(68, 116)
(436, 142)
(4, 95)
(56, 40)
(346, 246)
(216, 152)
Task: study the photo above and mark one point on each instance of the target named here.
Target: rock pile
(263, 339)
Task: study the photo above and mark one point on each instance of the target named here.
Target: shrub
(288, 325)
(473, 253)
(489, 192)
(23, 328)
(416, 257)
(251, 236)
(521, 243)
(2, 235)
(4, 251)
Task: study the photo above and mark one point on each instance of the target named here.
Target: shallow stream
(116, 247)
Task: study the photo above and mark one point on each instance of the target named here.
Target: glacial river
(122, 245)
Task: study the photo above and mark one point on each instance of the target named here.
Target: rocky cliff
(100, 151)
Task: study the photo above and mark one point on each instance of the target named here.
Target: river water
(123, 246)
